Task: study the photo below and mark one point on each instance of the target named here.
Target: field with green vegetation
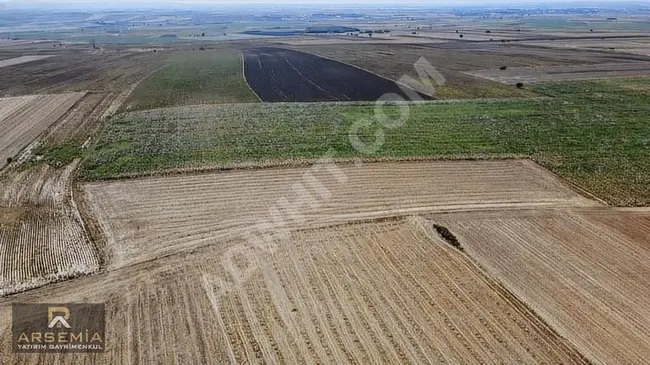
(194, 77)
(593, 133)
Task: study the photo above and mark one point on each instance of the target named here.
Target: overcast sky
(88, 4)
(306, 2)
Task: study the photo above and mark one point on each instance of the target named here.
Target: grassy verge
(194, 77)
(593, 133)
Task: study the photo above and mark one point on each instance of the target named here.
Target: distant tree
(456, 31)
(519, 85)
(9, 160)
(591, 30)
(202, 49)
(203, 34)
(488, 31)
(503, 68)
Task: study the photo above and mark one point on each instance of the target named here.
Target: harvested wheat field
(42, 238)
(315, 265)
(562, 73)
(146, 218)
(21, 60)
(387, 292)
(585, 272)
(24, 118)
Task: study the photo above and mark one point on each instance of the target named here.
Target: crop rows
(586, 279)
(608, 117)
(148, 218)
(389, 292)
(42, 238)
(23, 119)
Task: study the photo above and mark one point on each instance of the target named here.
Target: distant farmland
(277, 74)
(21, 59)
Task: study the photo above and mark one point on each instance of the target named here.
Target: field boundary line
(427, 93)
(121, 98)
(357, 103)
(603, 78)
(36, 141)
(577, 188)
(287, 164)
(65, 115)
(499, 288)
(243, 72)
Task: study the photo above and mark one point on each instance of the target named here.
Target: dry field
(640, 46)
(452, 35)
(456, 61)
(388, 292)
(76, 70)
(22, 59)
(350, 284)
(377, 39)
(42, 238)
(585, 272)
(527, 75)
(23, 119)
(149, 218)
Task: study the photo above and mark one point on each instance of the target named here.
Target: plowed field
(585, 273)
(153, 217)
(23, 119)
(277, 74)
(389, 292)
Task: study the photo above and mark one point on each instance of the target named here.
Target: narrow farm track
(380, 292)
(23, 119)
(147, 218)
(277, 74)
(585, 272)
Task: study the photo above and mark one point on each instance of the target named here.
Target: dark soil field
(73, 70)
(277, 74)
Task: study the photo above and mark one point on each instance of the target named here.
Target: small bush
(461, 36)
(446, 234)
(520, 85)
(502, 68)
(488, 31)
(9, 160)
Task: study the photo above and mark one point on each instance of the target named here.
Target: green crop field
(593, 133)
(194, 77)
